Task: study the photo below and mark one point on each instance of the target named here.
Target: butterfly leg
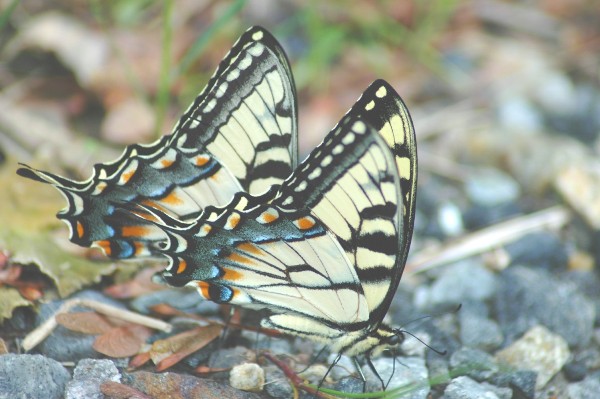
(372, 367)
(336, 360)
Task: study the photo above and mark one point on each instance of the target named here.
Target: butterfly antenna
(439, 352)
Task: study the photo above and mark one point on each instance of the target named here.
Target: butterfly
(322, 244)
(240, 133)
(324, 250)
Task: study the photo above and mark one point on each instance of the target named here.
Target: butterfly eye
(395, 339)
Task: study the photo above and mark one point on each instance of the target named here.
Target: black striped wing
(239, 134)
(382, 107)
(325, 251)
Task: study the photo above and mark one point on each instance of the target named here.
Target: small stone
(88, 376)
(541, 250)
(247, 377)
(476, 329)
(349, 385)
(450, 219)
(408, 372)
(543, 299)
(589, 388)
(518, 114)
(539, 350)
(457, 283)
(579, 185)
(466, 388)
(314, 373)
(277, 385)
(522, 383)
(474, 363)
(17, 372)
(227, 358)
(575, 371)
(491, 187)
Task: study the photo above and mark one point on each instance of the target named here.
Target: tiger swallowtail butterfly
(322, 245)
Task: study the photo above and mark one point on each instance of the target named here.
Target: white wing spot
(370, 105)
(257, 35)
(288, 201)
(210, 106)
(233, 75)
(246, 62)
(338, 149)
(381, 92)
(326, 161)
(301, 187)
(314, 174)
(349, 138)
(359, 127)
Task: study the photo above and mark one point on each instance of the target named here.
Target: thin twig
(490, 238)
(45, 329)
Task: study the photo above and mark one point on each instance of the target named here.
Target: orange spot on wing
(105, 245)
(134, 231)
(202, 160)
(250, 248)
(125, 177)
(80, 229)
(231, 275)
(233, 220)
(153, 204)
(305, 223)
(182, 266)
(166, 163)
(269, 217)
(139, 247)
(172, 199)
(203, 286)
(239, 258)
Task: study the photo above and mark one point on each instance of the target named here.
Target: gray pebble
(88, 376)
(16, 372)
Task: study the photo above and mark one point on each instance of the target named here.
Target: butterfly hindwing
(239, 134)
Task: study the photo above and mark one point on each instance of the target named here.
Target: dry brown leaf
(167, 352)
(139, 285)
(84, 322)
(122, 341)
(139, 360)
(3, 347)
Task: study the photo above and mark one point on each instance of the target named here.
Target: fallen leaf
(84, 322)
(27, 233)
(10, 299)
(169, 351)
(139, 360)
(122, 341)
(139, 285)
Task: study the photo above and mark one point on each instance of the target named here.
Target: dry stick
(490, 238)
(45, 329)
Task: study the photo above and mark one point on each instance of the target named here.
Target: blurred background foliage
(123, 71)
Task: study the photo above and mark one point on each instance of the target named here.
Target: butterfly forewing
(247, 114)
(239, 134)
